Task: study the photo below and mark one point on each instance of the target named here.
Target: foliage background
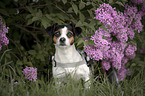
(31, 46)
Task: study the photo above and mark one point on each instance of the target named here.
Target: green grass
(133, 87)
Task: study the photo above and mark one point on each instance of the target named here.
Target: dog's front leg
(58, 82)
(87, 82)
(58, 74)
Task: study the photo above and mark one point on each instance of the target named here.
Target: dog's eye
(69, 34)
(57, 34)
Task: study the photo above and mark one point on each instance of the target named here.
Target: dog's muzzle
(62, 41)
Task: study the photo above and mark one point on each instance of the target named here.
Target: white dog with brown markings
(67, 60)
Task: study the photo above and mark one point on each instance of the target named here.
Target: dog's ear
(50, 30)
(76, 30)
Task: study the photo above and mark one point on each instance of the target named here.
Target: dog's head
(63, 35)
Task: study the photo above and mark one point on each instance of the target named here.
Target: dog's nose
(62, 40)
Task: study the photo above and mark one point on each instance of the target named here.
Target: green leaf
(12, 11)
(64, 1)
(75, 8)
(2, 4)
(70, 10)
(38, 46)
(82, 17)
(30, 9)
(40, 56)
(125, 1)
(79, 41)
(19, 62)
(89, 42)
(86, 43)
(35, 19)
(44, 22)
(32, 52)
(110, 1)
(29, 64)
(88, 3)
(79, 23)
(8, 56)
(103, 37)
(24, 59)
(90, 13)
(93, 4)
(104, 28)
(59, 21)
(133, 43)
(119, 3)
(29, 22)
(28, 16)
(81, 5)
(4, 12)
(39, 13)
(48, 16)
(92, 24)
(61, 16)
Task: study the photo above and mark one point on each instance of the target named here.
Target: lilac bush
(113, 45)
(133, 20)
(143, 8)
(137, 1)
(30, 73)
(3, 30)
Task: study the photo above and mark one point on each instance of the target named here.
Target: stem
(21, 27)
(32, 6)
(61, 10)
(46, 5)
(4, 54)
(16, 46)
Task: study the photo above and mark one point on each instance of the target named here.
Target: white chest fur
(68, 55)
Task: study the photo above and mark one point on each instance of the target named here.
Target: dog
(67, 59)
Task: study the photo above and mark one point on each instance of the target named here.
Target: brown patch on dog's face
(71, 40)
(70, 36)
(57, 34)
(55, 39)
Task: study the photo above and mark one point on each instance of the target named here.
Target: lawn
(131, 86)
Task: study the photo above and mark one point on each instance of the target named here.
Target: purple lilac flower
(30, 73)
(142, 51)
(16, 83)
(122, 72)
(106, 64)
(137, 1)
(85, 38)
(129, 52)
(101, 45)
(93, 52)
(142, 11)
(121, 26)
(133, 19)
(143, 8)
(3, 30)
(124, 60)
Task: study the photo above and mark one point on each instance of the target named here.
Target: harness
(68, 65)
(73, 64)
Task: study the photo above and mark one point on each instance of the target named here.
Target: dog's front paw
(58, 84)
(87, 84)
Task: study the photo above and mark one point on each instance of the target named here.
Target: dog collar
(68, 65)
